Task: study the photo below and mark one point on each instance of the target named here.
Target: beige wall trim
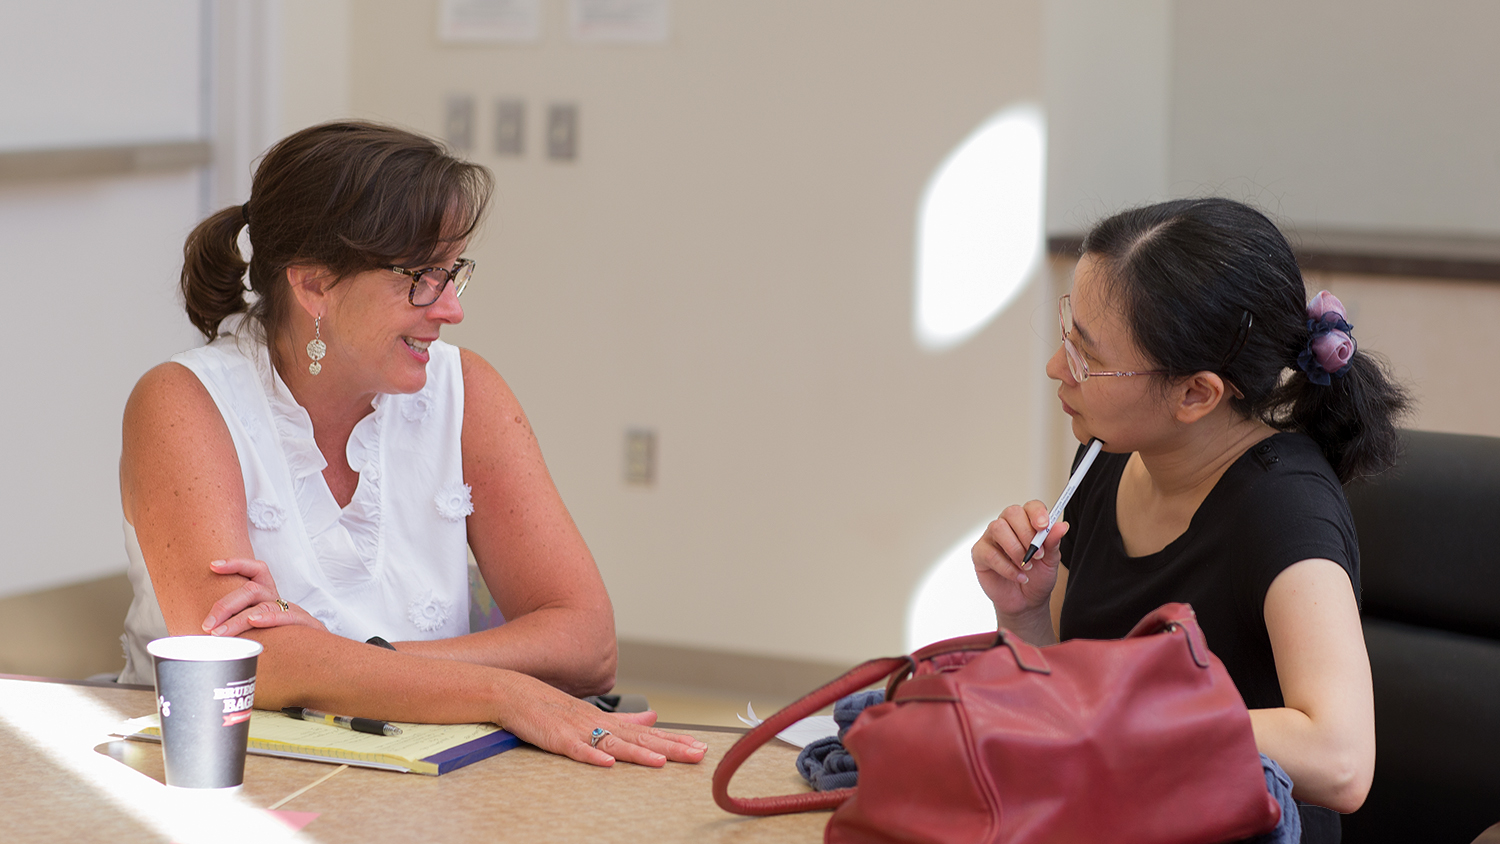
(1411, 256)
(39, 164)
(71, 632)
(722, 671)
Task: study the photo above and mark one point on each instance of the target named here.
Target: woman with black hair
(315, 476)
(1232, 411)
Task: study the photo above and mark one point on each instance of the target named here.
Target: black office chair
(1429, 545)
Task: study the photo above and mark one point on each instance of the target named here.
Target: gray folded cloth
(848, 708)
(1289, 830)
(825, 763)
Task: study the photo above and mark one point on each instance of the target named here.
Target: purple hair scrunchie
(1330, 348)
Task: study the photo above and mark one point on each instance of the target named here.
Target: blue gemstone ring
(598, 734)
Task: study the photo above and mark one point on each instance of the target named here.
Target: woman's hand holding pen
(256, 603)
(1017, 558)
(1014, 587)
(562, 724)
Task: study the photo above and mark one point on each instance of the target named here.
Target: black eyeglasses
(427, 284)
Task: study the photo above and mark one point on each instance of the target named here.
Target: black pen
(360, 725)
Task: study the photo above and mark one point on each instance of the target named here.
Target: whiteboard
(99, 72)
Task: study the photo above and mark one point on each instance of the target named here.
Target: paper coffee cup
(205, 687)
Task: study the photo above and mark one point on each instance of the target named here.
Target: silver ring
(597, 735)
(285, 607)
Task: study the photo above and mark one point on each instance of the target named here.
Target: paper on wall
(638, 21)
(489, 20)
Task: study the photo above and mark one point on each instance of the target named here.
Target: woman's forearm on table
(305, 667)
(573, 650)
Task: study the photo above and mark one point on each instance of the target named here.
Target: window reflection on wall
(979, 228)
(979, 240)
(948, 601)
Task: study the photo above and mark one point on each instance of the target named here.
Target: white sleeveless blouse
(394, 563)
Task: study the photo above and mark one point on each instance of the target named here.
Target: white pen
(1062, 500)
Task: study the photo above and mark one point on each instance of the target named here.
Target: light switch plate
(640, 457)
(562, 131)
(458, 122)
(510, 127)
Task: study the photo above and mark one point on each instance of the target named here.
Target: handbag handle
(1171, 618)
(1028, 657)
(855, 679)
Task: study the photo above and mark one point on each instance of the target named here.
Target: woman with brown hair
(314, 477)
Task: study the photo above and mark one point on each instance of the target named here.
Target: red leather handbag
(986, 738)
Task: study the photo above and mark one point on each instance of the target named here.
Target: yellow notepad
(430, 749)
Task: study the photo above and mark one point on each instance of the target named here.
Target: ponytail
(1212, 285)
(1352, 419)
(212, 271)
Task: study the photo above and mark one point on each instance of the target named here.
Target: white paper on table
(800, 734)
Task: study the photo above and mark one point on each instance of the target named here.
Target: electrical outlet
(510, 127)
(458, 122)
(562, 131)
(640, 456)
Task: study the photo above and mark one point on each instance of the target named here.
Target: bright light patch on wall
(979, 228)
(948, 602)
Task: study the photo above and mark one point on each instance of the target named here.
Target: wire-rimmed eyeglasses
(1077, 366)
(427, 284)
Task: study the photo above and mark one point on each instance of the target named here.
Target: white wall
(1109, 66)
(1341, 114)
(314, 62)
(1333, 114)
(92, 305)
(91, 264)
(730, 262)
(104, 253)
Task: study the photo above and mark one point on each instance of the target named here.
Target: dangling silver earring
(316, 348)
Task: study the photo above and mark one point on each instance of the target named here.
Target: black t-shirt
(1278, 504)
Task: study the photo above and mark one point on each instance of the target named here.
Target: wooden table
(63, 778)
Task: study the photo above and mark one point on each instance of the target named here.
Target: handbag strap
(855, 679)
